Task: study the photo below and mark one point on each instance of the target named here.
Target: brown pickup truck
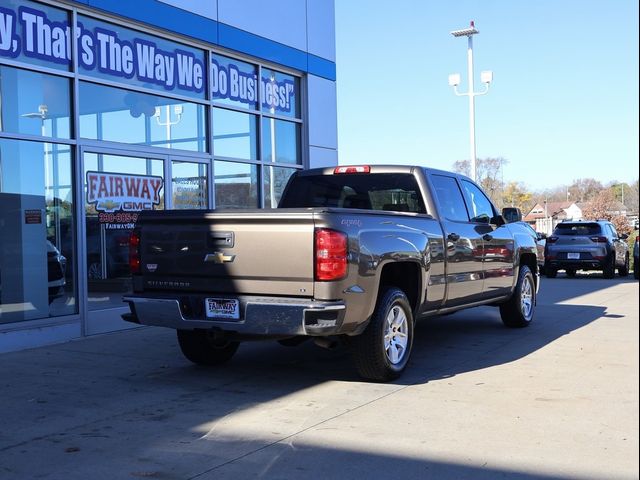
(351, 253)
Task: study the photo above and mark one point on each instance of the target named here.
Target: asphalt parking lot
(558, 400)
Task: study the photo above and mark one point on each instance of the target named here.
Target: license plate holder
(573, 256)
(222, 308)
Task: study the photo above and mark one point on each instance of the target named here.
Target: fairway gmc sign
(112, 192)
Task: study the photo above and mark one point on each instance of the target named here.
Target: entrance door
(116, 188)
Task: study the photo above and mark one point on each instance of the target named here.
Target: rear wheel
(550, 272)
(609, 270)
(571, 272)
(382, 351)
(518, 311)
(624, 270)
(203, 348)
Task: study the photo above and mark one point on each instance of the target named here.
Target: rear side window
(378, 191)
(451, 203)
(585, 229)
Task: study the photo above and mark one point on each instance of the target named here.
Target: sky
(563, 103)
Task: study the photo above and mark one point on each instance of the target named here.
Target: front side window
(450, 202)
(479, 204)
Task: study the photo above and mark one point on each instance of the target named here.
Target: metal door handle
(454, 237)
(487, 238)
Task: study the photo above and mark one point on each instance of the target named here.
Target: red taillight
(599, 239)
(331, 254)
(134, 251)
(552, 239)
(353, 169)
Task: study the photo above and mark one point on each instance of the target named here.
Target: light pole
(454, 80)
(168, 124)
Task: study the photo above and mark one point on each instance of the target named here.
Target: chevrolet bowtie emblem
(218, 257)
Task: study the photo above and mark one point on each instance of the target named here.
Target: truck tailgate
(245, 252)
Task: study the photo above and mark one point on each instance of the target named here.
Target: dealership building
(111, 107)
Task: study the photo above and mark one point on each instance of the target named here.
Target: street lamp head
(454, 79)
(486, 76)
(466, 32)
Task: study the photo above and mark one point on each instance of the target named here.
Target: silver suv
(580, 245)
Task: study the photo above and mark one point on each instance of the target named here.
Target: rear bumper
(262, 316)
(587, 264)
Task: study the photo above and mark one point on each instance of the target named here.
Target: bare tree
(602, 207)
(584, 189)
(489, 175)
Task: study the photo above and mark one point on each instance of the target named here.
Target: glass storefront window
(234, 82)
(235, 134)
(189, 185)
(118, 115)
(113, 52)
(37, 278)
(275, 179)
(34, 103)
(280, 93)
(280, 141)
(116, 189)
(24, 39)
(236, 185)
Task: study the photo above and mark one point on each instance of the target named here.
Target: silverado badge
(219, 257)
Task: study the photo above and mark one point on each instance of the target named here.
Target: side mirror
(541, 236)
(624, 236)
(498, 221)
(512, 214)
(482, 218)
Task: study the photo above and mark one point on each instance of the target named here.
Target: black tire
(609, 270)
(518, 311)
(551, 272)
(624, 270)
(571, 272)
(374, 349)
(636, 272)
(202, 348)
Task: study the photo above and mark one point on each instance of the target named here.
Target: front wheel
(382, 351)
(518, 311)
(203, 348)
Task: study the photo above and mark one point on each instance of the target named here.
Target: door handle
(454, 237)
(487, 238)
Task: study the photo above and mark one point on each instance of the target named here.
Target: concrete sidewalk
(556, 400)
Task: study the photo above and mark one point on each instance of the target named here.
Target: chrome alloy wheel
(526, 298)
(396, 335)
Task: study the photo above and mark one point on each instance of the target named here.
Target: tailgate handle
(221, 239)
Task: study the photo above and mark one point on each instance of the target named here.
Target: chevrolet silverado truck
(354, 253)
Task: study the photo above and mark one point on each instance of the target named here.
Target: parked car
(636, 266)
(582, 245)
